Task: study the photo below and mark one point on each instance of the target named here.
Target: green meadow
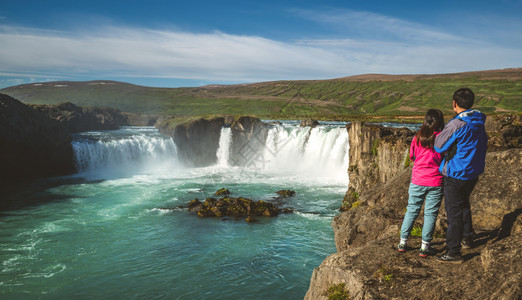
(496, 91)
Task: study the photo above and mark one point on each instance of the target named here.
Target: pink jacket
(426, 165)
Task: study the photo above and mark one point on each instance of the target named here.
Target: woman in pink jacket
(426, 181)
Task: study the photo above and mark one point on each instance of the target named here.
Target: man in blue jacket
(464, 142)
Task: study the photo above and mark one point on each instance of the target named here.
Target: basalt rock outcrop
(197, 140)
(33, 145)
(376, 154)
(504, 131)
(248, 141)
(367, 264)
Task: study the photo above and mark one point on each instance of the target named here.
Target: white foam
(50, 227)
(311, 216)
(47, 272)
(160, 211)
(129, 151)
(302, 154)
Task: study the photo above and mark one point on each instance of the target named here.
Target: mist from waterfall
(127, 151)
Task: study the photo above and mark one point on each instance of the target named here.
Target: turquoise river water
(115, 229)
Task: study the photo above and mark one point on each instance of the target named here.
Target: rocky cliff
(376, 154)
(504, 131)
(33, 145)
(367, 264)
(86, 118)
(197, 140)
(36, 139)
(248, 141)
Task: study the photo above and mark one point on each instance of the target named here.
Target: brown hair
(433, 121)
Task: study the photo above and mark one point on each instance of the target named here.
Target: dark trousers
(456, 195)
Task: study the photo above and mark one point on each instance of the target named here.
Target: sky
(194, 43)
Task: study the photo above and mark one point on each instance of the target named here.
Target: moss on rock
(237, 207)
(222, 192)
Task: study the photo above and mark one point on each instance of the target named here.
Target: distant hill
(370, 94)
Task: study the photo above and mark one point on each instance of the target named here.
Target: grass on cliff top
(337, 292)
(319, 99)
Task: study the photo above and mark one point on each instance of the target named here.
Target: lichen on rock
(222, 192)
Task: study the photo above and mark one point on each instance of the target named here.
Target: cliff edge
(367, 264)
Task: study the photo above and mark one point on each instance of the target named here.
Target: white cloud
(363, 23)
(399, 47)
(177, 54)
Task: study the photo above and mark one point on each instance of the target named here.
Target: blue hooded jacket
(465, 141)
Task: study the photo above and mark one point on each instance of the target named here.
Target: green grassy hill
(373, 94)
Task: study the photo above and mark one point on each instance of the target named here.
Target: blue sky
(194, 43)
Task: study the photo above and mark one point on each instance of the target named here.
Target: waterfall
(223, 152)
(320, 152)
(289, 150)
(125, 151)
(316, 152)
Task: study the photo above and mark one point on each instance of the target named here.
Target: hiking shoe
(426, 252)
(455, 258)
(466, 243)
(401, 248)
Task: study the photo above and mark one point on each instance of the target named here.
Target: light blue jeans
(417, 194)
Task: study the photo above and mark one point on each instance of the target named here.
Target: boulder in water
(236, 207)
(286, 193)
(222, 192)
(194, 205)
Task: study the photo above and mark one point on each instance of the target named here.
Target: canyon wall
(376, 154)
(367, 264)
